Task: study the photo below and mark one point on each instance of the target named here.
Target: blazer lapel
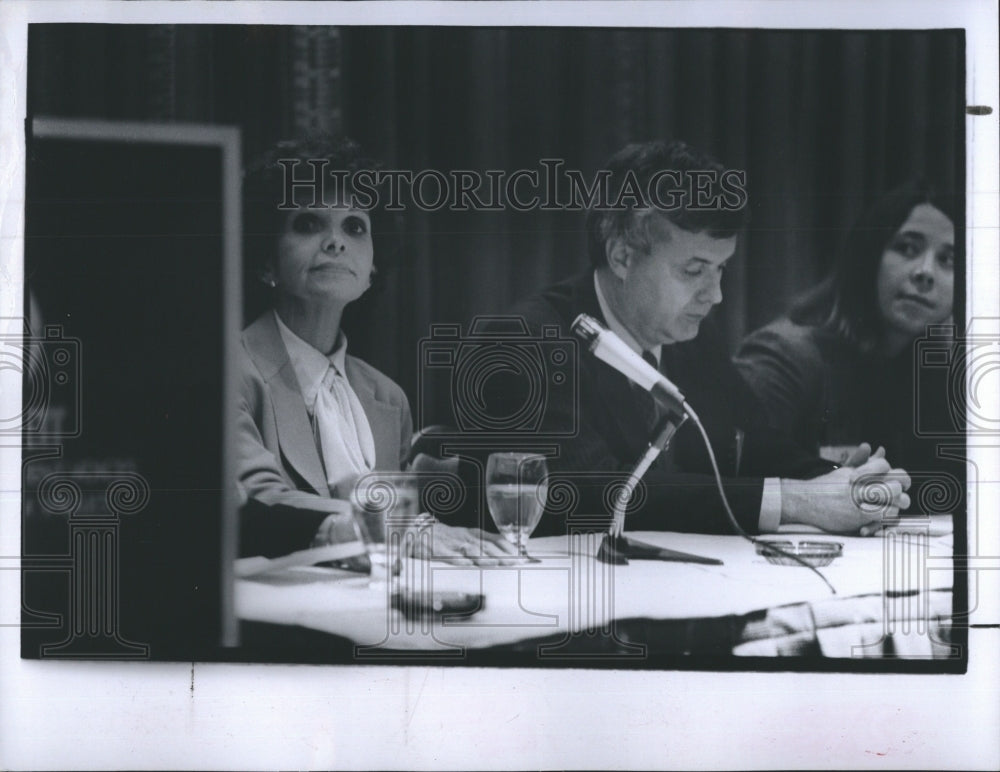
(383, 418)
(295, 435)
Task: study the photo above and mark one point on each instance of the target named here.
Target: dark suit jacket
(279, 468)
(616, 421)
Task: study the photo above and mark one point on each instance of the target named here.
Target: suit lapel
(632, 410)
(295, 435)
(383, 418)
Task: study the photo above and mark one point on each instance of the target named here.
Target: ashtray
(815, 553)
(420, 604)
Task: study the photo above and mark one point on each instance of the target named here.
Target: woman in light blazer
(312, 418)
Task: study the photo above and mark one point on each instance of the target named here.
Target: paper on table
(932, 525)
(245, 567)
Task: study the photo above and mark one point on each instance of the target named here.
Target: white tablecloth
(570, 591)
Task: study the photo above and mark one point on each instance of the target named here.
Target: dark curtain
(820, 121)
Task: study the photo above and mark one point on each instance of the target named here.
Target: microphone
(611, 349)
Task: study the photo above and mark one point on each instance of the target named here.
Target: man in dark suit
(655, 275)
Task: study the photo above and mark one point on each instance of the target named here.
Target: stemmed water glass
(384, 502)
(516, 489)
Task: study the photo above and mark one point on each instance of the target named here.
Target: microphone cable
(591, 331)
(729, 512)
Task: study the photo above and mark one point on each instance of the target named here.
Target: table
(893, 600)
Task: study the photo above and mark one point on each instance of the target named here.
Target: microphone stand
(616, 548)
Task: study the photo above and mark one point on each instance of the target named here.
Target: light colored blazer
(278, 462)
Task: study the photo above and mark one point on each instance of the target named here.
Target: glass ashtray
(815, 553)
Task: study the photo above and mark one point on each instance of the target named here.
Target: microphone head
(587, 328)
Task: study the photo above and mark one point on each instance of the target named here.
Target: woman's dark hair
(644, 164)
(266, 185)
(845, 303)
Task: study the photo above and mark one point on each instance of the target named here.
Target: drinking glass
(516, 489)
(384, 502)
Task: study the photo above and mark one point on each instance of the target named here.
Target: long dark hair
(845, 303)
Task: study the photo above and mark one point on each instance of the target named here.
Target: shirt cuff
(770, 506)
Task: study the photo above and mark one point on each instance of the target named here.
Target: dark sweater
(822, 391)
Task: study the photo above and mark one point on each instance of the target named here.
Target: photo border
(615, 720)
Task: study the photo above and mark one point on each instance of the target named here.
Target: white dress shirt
(770, 502)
